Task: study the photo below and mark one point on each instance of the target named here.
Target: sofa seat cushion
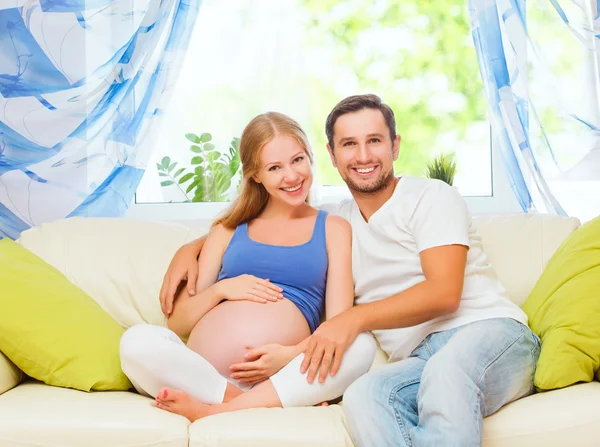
(565, 417)
(273, 427)
(569, 416)
(34, 414)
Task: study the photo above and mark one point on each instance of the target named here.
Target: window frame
(501, 201)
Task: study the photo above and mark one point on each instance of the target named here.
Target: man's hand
(184, 266)
(327, 345)
(261, 363)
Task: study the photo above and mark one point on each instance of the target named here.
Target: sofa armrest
(10, 375)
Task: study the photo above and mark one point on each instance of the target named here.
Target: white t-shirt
(421, 214)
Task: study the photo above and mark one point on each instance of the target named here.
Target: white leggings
(154, 357)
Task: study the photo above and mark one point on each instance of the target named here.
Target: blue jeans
(440, 394)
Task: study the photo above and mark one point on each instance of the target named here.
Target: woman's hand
(249, 287)
(183, 266)
(261, 363)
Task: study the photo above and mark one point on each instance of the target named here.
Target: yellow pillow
(51, 329)
(564, 311)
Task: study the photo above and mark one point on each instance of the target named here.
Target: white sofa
(120, 263)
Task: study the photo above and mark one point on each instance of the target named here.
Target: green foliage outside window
(421, 54)
(417, 55)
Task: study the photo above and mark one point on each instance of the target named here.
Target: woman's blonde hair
(253, 197)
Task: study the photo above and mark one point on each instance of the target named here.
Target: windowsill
(502, 201)
(208, 211)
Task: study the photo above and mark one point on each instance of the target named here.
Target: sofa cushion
(565, 417)
(564, 310)
(273, 427)
(51, 329)
(120, 263)
(37, 415)
(10, 375)
(558, 418)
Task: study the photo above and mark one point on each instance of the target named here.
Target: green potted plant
(209, 177)
(442, 167)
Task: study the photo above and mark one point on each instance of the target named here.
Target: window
(300, 58)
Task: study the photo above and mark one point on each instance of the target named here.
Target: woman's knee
(361, 353)
(138, 342)
(365, 342)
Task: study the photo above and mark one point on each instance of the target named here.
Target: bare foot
(231, 392)
(181, 403)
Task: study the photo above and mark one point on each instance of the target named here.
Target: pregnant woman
(268, 269)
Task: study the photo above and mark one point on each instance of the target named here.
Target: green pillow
(564, 311)
(51, 329)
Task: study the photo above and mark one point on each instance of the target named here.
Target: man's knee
(442, 377)
(441, 370)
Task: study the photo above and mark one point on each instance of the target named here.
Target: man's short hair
(354, 104)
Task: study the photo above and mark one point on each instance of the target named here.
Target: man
(459, 349)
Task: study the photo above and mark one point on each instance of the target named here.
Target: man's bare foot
(181, 403)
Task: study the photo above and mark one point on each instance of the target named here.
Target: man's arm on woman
(188, 309)
(183, 267)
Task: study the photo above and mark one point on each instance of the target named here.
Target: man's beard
(381, 182)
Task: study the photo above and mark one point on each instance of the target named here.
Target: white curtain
(82, 86)
(539, 60)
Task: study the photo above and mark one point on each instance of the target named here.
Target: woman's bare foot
(181, 403)
(231, 392)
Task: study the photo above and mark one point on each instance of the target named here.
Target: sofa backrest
(517, 245)
(121, 262)
(520, 245)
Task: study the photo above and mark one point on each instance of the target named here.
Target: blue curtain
(539, 65)
(82, 86)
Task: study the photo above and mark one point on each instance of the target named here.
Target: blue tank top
(300, 270)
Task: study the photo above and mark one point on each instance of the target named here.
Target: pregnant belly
(222, 334)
